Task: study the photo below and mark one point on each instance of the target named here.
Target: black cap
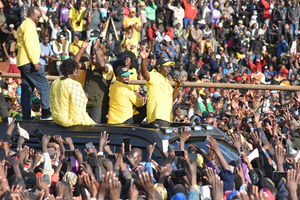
(61, 35)
(95, 35)
(122, 71)
(164, 62)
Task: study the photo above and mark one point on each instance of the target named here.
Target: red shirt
(126, 12)
(170, 33)
(190, 11)
(151, 33)
(284, 72)
(258, 66)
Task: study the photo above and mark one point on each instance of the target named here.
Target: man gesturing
(28, 59)
(160, 92)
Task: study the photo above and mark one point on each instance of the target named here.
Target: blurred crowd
(267, 167)
(203, 41)
(209, 41)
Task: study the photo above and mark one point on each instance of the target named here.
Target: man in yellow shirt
(122, 99)
(160, 93)
(28, 58)
(134, 23)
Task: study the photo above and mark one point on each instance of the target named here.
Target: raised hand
(217, 188)
(78, 156)
(144, 54)
(87, 168)
(45, 141)
(150, 150)
(58, 139)
(85, 44)
(17, 192)
(257, 120)
(146, 182)
(213, 144)
(114, 188)
(193, 173)
(236, 142)
(90, 185)
(133, 193)
(255, 139)
(184, 136)
(69, 141)
(23, 154)
(210, 175)
(279, 156)
(292, 182)
(12, 161)
(104, 136)
(104, 184)
(42, 185)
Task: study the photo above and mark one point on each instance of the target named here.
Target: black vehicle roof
(139, 136)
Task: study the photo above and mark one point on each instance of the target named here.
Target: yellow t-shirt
(77, 17)
(121, 101)
(160, 97)
(131, 21)
(133, 42)
(133, 76)
(68, 103)
(74, 49)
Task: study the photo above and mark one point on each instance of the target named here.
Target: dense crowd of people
(268, 167)
(97, 47)
(208, 41)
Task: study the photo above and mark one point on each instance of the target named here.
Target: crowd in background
(208, 41)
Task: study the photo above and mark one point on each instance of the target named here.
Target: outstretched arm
(78, 56)
(145, 73)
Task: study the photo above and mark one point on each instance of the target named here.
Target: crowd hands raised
(60, 171)
(209, 41)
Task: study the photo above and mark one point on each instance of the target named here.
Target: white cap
(167, 38)
(218, 56)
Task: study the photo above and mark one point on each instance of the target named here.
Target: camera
(78, 23)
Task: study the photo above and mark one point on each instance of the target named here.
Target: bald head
(34, 13)
(137, 154)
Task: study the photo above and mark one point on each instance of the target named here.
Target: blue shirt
(45, 50)
(270, 75)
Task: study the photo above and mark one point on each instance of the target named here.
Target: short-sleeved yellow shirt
(75, 49)
(131, 21)
(121, 101)
(132, 42)
(77, 16)
(160, 97)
